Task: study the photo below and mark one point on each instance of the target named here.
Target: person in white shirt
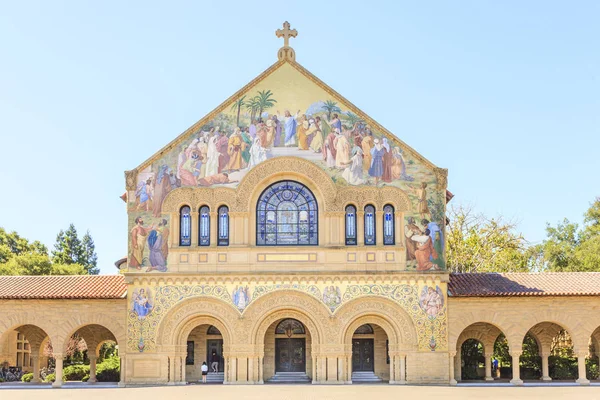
(204, 369)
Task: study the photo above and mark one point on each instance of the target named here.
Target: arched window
(365, 329)
(213, 330)
(204, 226)
(350, 225)
(370, 225)
(223, 226)
(389, 237)
(290, 327)
(287, 215)
(185, 226)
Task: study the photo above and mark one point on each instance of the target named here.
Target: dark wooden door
(215, 345)
(290, 355)
(362, 355)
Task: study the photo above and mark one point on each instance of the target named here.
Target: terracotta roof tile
(525, 284)
(63, 287)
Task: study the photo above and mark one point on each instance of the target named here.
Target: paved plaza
(290, 392)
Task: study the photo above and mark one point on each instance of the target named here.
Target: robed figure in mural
(222, 148)
(258, 154)
(235, 147)
(329, 151)
(376, 168)
(367, 144)
(156, 242)
(289, 127)
(411, 229)
(353, 173)
(212, 163)
(301, 132)
(141, 303)
(425, 252)
(432, 301)
(162, 186)
(342, 150)
(138, 239)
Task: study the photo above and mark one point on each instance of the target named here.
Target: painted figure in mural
(411, 229)
(141, 303)
(155, 244)
(138, 240)
(143, 194)
(246, 146)
(367, 144)
(329, 151)
(388, 160)
(399, 166)
(289, 127)
(222, 146)
(271, 132)
(353, 173)
(421, 194)
(165, 242)
(301, 131)
(162, 186)
(376, 169)
(241, 296)
(217, 179)
(278, 130)
(437, 238)
(342, 150)
(190, 169)
(258, 154)
(335, 123)
(235, 146)
(316, 144)
(252, 129)
(432, 301)
(212, 163)
(332, 296)
(425, 252)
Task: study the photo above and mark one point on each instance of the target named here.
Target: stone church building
(288, 237)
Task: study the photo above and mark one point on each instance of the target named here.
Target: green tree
(352, 118)
(12, 244)
(265, 101)
(27, 264)
(89, 259)
(68, 248)
(237, 107)
(331, 107)
(476, 243)
(253, 106)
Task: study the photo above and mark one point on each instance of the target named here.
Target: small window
(365, 329)
(350, 225)
(185, 226)
(370, 225)
(223, 226)
(290, 327)
(389, 238)
(212, 330)
(189, 359)
(204, 226)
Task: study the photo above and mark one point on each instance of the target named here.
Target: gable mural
(286, 114)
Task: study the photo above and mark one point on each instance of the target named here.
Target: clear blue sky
(505, 94)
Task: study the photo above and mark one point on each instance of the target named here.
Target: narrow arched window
(204, 226)
(185, 226)
(370, 225)
(223, 226)
(350, 225)
(389, 237)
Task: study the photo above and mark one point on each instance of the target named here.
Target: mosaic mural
(425, 305)
(286, 114)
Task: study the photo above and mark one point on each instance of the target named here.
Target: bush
(85, 378)
(1, 380)
(563, 368)
(75, 372)
(109, 370)
(27, 377)
(592, 370)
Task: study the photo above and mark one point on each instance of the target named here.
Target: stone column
(583, 380)
(340, 368)
(214, 216)
(322, 370)
(314, 370)
(488, 367)
(349, 369)
(360, 228)
(332, 375)
(545, 373)
(516, 379)
(379, 227)
(402, 371)
(260, 369)
(233, 369)
(458, 366)
(123, 370)
(92, 369)
(172, 375)
(195, 222)
(58, 370)
(35, 362)
(452, 361)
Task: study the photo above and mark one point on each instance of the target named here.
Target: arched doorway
(549, 354)
(27, 356)
(205, 344)
(370, 354)
(287, 352)
(477, 356)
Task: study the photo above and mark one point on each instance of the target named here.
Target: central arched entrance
(287, 352)
(204, 344)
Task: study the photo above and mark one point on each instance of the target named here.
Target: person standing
(214, 362)
(204, 369)
(377, 153)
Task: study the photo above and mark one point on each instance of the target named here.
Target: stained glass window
(212, 330)
(290, 325)
(365, 329)
(287, 215)
(204, 226)
(388, 225)
(370, 225)
(185, 226)
(223, 226)
(350, 225)
(189, 358)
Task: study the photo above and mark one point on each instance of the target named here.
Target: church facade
(287, 236)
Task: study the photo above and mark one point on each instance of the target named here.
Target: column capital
(58, 355)
(515, 353)
(452, 353)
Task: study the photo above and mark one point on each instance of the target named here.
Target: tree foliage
(69, 249)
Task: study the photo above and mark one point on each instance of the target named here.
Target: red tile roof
(63, 287)
(525, 284)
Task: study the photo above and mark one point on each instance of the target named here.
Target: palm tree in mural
(252, 106)
(238, 106)
(352, 118)
(331, 107)
(265, 101)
